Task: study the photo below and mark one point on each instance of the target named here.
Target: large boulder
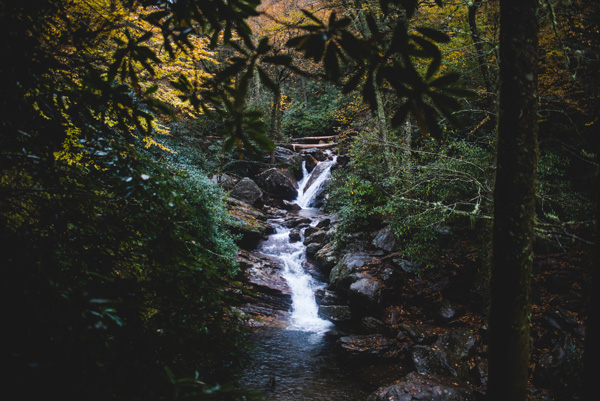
(386, 239)
(448, 356)
(247, 191)
(415, 387)
(309, 162)
(278, 184)
(249, 223)
(266, 298)
(289, 160)
(315, 237)
(365, 293)
(325, 259)
(370, 346)
(317, 153)
(338, 314)
(342, 275)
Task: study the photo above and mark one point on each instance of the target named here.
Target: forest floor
(560, 294)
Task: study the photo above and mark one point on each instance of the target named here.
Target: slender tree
(514, 201)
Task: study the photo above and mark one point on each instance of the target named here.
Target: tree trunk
(514, 202)
(473, 7)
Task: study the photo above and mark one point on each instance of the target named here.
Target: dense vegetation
(114, 114)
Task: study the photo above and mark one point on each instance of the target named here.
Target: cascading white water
(304, 315)
(307, 195)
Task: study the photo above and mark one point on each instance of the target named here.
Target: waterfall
(304, 316)
(307, 195)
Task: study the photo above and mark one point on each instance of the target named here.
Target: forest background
(115, 113)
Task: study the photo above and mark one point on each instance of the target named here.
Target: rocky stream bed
(362, 323)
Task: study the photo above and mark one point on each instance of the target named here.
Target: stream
(300, 362)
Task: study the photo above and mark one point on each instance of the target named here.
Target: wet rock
(386, 239)
(277, 184)
(316, 237)
(415, 387)
(324, 224)
(312, 249)
(325, 259)
(310, 230)
(247, 191)
(335, 313)
(317, 153)
(267, 296)
(295, 221)
(295, 234)
(310, 162)
(370, 346)
(326, 297)
(315, 175)
(366, 292)
(340, 275)
(291, 207)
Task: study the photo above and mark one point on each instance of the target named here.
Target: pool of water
(289, 365)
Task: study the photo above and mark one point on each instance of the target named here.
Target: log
(315, 138)
(294, 146)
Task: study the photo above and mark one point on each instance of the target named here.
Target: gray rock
(316, 237)
(386, 239)
(310, 230)
(310, 162)
(224, 180)
(317, 153)
(339, 277)
(295, 235)
(370, 346)
(447, 356)
(335, 313)
(366, 291)
(312, 249)
(325, 259)
(247, 191)
(277, 184)
(327, 298)
(415, 387)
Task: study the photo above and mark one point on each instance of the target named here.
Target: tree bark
(514, 202)
(473, 7)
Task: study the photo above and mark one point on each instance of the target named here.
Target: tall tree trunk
(472, 14)
(514, 202)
